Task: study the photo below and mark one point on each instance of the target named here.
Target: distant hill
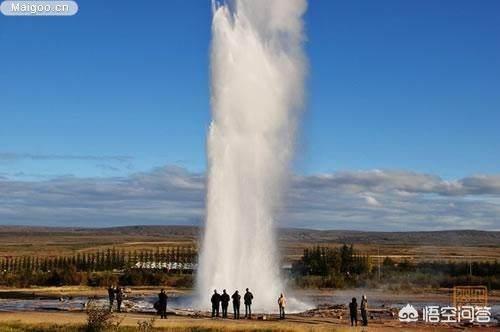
(439, 238)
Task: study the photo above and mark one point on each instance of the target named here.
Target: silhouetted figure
(162, 303)
(111, 296)
(248, 304)
(119, 298)
(215, 304)
(224, 299)
(282, 304)
(353, 310)
(236, 304)
(364, 310)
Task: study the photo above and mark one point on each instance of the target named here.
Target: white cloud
(375, 200)
(372, 201)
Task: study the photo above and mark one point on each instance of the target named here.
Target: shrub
(100, 318)
(146, 325)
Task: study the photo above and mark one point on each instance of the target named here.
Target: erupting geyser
(257, 84)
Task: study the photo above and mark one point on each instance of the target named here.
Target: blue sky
(121, 89)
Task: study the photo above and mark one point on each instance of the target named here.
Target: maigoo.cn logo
(39, 8)
(408, 314)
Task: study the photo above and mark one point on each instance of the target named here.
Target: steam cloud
(257, 71)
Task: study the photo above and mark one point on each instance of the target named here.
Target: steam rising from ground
(257, 78)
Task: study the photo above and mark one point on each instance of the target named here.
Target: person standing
(111, 296)
(215, 303)
(224, 299)
(162, 302)
(119, 298)
(236, 304)
(364, 310)
(247, 298)
(282, 304)
(353, 310)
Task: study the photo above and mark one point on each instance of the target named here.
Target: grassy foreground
(76, 322)
(18, 327)
(175, 327)
(182, 327)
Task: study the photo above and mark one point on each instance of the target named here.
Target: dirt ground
(334, 320)
(292, 323)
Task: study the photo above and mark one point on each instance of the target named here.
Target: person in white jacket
(282, 304)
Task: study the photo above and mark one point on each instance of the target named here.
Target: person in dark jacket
(119, 298)
(247, 298)
(215, 303)
(364, 310)
(236, 304)
(111, 296)
(353, 310)
(162, 303)
(224, 299)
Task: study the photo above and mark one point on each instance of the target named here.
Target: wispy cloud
(107, 167)
(376, 200)
(11, 156)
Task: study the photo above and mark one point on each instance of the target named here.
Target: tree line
(480, 269)
(102, 260)
(324, 267)
(324, 261)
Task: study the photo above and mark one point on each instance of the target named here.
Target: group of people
(222, 301)
(353, 311)
(115, 293)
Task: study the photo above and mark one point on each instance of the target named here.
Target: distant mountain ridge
(441, 238)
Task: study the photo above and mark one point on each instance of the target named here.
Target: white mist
(257, 84)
